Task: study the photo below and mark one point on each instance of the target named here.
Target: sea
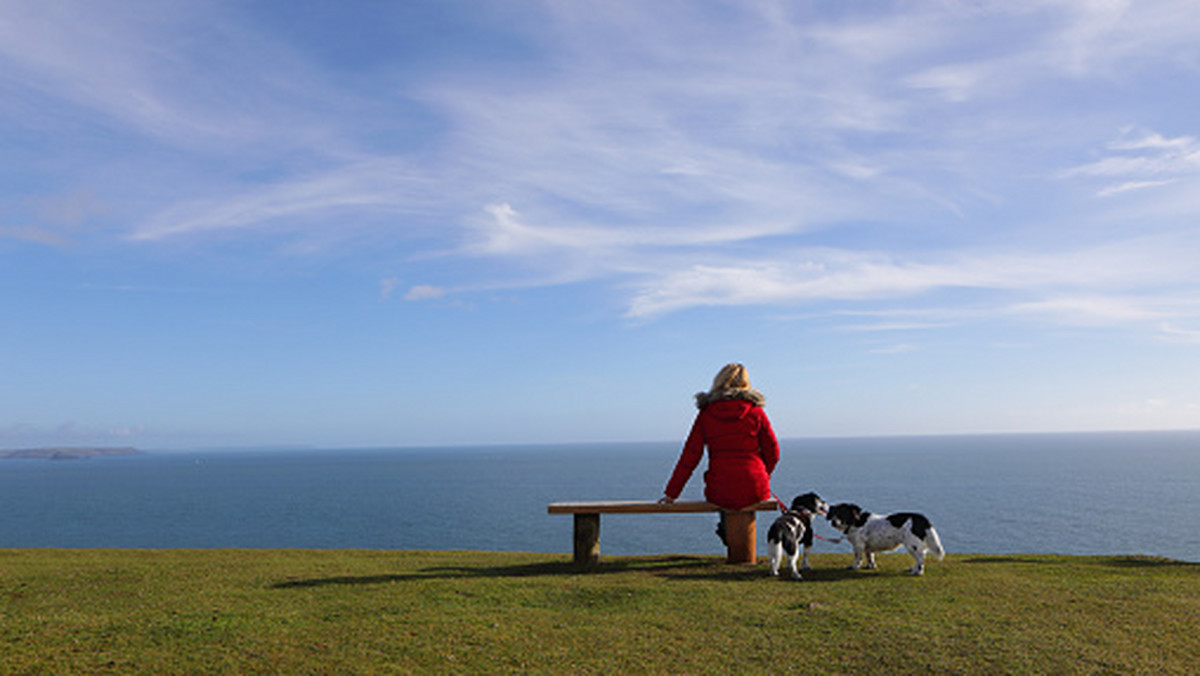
(1134, 493)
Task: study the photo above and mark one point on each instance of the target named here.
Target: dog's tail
(934, 543)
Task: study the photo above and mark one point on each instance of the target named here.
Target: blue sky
(418, 223)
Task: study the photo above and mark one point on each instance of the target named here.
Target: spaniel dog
(791, 530)
(871, 533)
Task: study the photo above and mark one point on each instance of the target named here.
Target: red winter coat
(742, 450)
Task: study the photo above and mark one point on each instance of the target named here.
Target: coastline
(68, 452)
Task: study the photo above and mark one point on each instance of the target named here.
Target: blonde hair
(731, 377)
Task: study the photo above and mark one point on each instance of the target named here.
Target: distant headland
(69, 453)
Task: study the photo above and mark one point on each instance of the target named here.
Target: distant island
(72, 453)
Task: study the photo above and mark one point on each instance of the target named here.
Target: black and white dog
(870, 533)
(792, 529)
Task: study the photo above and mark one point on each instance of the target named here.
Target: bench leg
(741, 537)
(587, 540)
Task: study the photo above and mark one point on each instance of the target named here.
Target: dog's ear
(836, 511)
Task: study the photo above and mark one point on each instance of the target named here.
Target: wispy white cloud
(310, 201)
(54, 221)
(505, 234)
(388, 286)
(890, 326)
(184, 73)
(1141, 158)
(1158, 413)
(35, 234)
(1176, 333)
(899, 348)
(424, 292)
(1093, 310)
(1108, 272)
(1129, 186)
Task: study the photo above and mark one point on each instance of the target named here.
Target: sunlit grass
(372, 612)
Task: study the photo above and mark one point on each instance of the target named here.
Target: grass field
(381, 612)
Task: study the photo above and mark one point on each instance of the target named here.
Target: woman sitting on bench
(742, 448)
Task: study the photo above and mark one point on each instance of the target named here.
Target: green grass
(380, 612)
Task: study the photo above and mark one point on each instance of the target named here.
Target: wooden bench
(740, 528)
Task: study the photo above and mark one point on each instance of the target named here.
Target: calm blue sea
(1111, 493)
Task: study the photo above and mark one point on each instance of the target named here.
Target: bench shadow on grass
(673, 567)
(652, 565)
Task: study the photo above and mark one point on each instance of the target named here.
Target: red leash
(778, 502)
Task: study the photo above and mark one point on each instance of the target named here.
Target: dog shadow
(760, 574)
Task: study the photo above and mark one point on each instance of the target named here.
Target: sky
(404, 223)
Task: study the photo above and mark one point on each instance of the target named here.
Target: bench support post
(587, 540)
(741, 537)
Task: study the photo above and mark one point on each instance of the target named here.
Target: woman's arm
(693, 451)
(768, 445)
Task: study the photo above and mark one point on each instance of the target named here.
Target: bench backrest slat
(642, 507)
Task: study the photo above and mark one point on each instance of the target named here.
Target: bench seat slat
(643, 507)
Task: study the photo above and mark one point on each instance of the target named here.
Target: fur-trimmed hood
(744, 394)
